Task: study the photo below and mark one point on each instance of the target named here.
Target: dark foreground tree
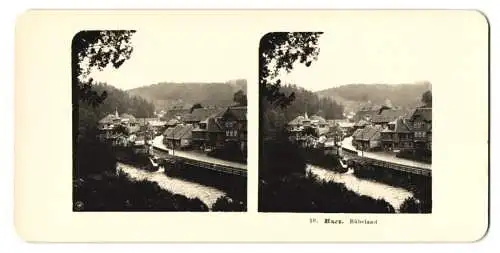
(96, 50)
(225, 204)
(279, 51)
(240, 97)
(111, 192)
(427, 98)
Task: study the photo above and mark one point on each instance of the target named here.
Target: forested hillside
(352, 96)
(166, 95)
(276, 117)
(116, 99)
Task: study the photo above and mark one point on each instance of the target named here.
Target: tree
(240, 97)
(195, 106)
(96, 50)
(427, 98)
(279, 51)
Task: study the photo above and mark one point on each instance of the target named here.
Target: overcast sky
(392, 49)
(194, 55)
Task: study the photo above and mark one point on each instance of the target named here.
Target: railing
(400, 167)
(395, 166)
(216, 167)
(207, 165)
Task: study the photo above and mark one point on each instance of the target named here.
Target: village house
(178, 137)
(235, 126)
(199, 114)
(421, 123)
(112, 125)
(386, 115)
(361, 124)
(368, 138)
(346, 128)
(397, 135)
(208, 134)
(297, 127)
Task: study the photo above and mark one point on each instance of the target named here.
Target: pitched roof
(345, 124)
(183, 132)
(239, 112)
(127, 116)
(424, 113)
(361, 123)
(108, 119)
(401, 126)
(357, 133)
(168, 132)
(362, 114)
(178, 132)
(213, 126)
(318, 118)
(172, 122)
(387, 115)
(369, 133)
(200, 114)
(297, 121)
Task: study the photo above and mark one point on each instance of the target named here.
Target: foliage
(427, 98)
(120, 100)
(92, 156)
(96, 50)
(354, 96)
(279, 158)
(167, 95)
(307, 101)
(195, 106)
(279, 52)
(240, 97)
(225, 204)
(308, 194)
(275, 118)
(410, 205)
(119, 193)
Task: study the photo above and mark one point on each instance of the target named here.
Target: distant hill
(167, 95)
(355, 96)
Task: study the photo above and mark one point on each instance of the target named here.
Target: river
(393, 195)
(206, 194)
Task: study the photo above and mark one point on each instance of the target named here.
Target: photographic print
(331, 147)
(143, 142)
(251, 126)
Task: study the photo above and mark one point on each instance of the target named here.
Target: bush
(284, 186)
(280, 158)
(410, 205)
(92, 157)
(225, 204)
(305, 194)
(119, 193)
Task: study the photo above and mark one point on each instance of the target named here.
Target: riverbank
(208, 195)
(420, 186)
(376, 190)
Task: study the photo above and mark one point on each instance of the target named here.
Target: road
(158, 143)
(347, 144)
